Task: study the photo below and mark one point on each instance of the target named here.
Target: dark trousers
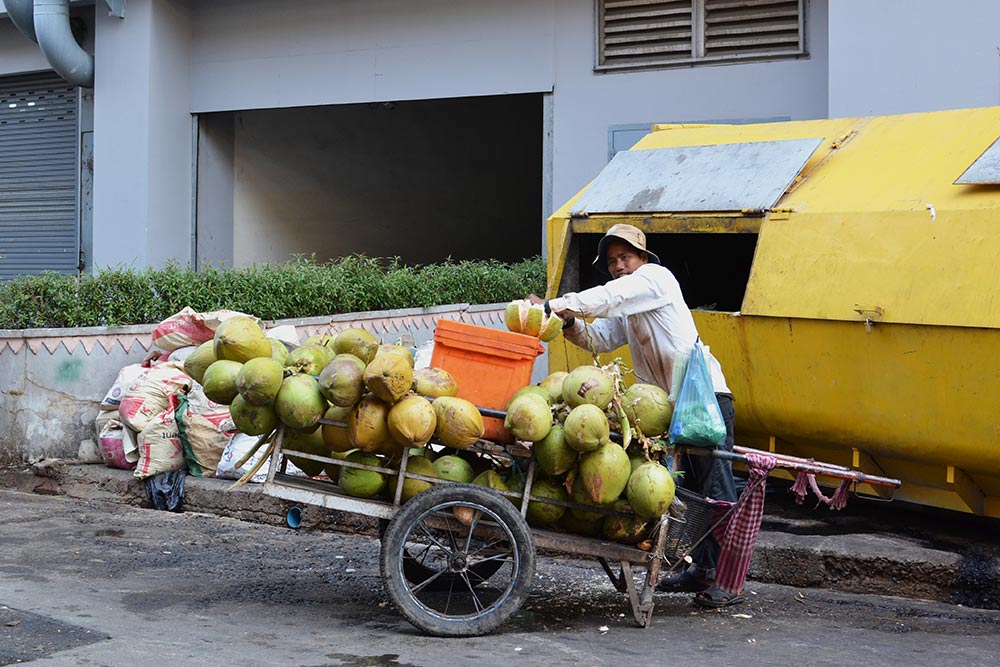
(712, 478)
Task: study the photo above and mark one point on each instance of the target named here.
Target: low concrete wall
(55, 378)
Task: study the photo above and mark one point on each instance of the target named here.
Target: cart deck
(458, 559)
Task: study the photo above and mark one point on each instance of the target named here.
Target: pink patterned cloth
(805, 481)
(743, 526)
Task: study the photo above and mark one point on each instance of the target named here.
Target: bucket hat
(622, 232)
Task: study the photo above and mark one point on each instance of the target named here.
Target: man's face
(623, 259)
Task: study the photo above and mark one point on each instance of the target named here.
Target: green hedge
(300, 288)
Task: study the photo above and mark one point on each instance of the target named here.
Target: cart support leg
(633, 594)
(645, 607)
(616, 580)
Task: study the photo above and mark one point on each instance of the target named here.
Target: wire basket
(683, 533)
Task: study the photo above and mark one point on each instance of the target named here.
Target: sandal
(683, 582)
(716, 598)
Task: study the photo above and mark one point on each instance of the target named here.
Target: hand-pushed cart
(458, 559)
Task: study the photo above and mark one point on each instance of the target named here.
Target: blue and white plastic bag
(697, 418)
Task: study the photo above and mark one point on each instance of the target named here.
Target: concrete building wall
(18, 54)
(899, 56)
(215, 189)
(259, 54)
(142, 136)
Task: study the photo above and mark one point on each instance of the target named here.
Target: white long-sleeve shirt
(644, 309)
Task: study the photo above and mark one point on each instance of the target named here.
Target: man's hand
(535, 300)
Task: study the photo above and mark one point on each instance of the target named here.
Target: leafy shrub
(302, 287)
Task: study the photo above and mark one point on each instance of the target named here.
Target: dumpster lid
(748, 176)
(985, 170)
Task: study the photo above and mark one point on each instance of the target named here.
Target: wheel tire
(416, 572)
(466, 605)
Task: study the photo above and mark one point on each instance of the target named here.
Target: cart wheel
(416, 572)
(457, 533)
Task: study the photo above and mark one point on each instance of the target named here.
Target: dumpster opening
(712, 269)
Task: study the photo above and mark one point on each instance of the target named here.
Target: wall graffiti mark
(69, 370)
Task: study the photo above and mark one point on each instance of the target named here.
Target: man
(642, 306)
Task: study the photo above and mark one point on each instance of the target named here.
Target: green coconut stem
(253, 471)
(253, 450)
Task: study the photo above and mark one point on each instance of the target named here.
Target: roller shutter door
(39, 228)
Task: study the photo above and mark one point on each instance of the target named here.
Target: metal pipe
(56, 40)
(816, 469)
(21, 14)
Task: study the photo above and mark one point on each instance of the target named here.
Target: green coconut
(587, 384)
(279, 351)
(579, 495)
(459, 423)
(454, 468)
(491, 479)
(417, 465)
(553, 386)
(624, 529)
(367, 427)
(219, 381)
(532, 319)
(335, 435)
(648, 408)
(531, 389)
(360, 483)
(528, 417)
(553, 453)
(545, 514)
(342, 381)
(433, 382)
(240, 338)
(333, 471)
(401, 350)
(308, 443)
(389, 376)
(588, 526)
(358, 342)
(650, 490)
(259, 380)
(199, 360)
(512, 315)
(309, 359)
(587, 428)
(552, 326)
(320, 339)
(253, 419)
(299, 403)
(412, 421)
(605, 472)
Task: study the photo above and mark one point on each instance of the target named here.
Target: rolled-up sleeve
(599, 336)
(636, 293)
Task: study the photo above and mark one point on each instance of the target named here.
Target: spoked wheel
(457, 560)
(416, 572)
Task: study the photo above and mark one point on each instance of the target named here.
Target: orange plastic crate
(488, 365)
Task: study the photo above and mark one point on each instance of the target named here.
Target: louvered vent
(737, 27)
(644, 33)
(639, 32)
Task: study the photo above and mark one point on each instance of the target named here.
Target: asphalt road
(88, 583)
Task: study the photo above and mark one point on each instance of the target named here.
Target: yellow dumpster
(845, 273)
